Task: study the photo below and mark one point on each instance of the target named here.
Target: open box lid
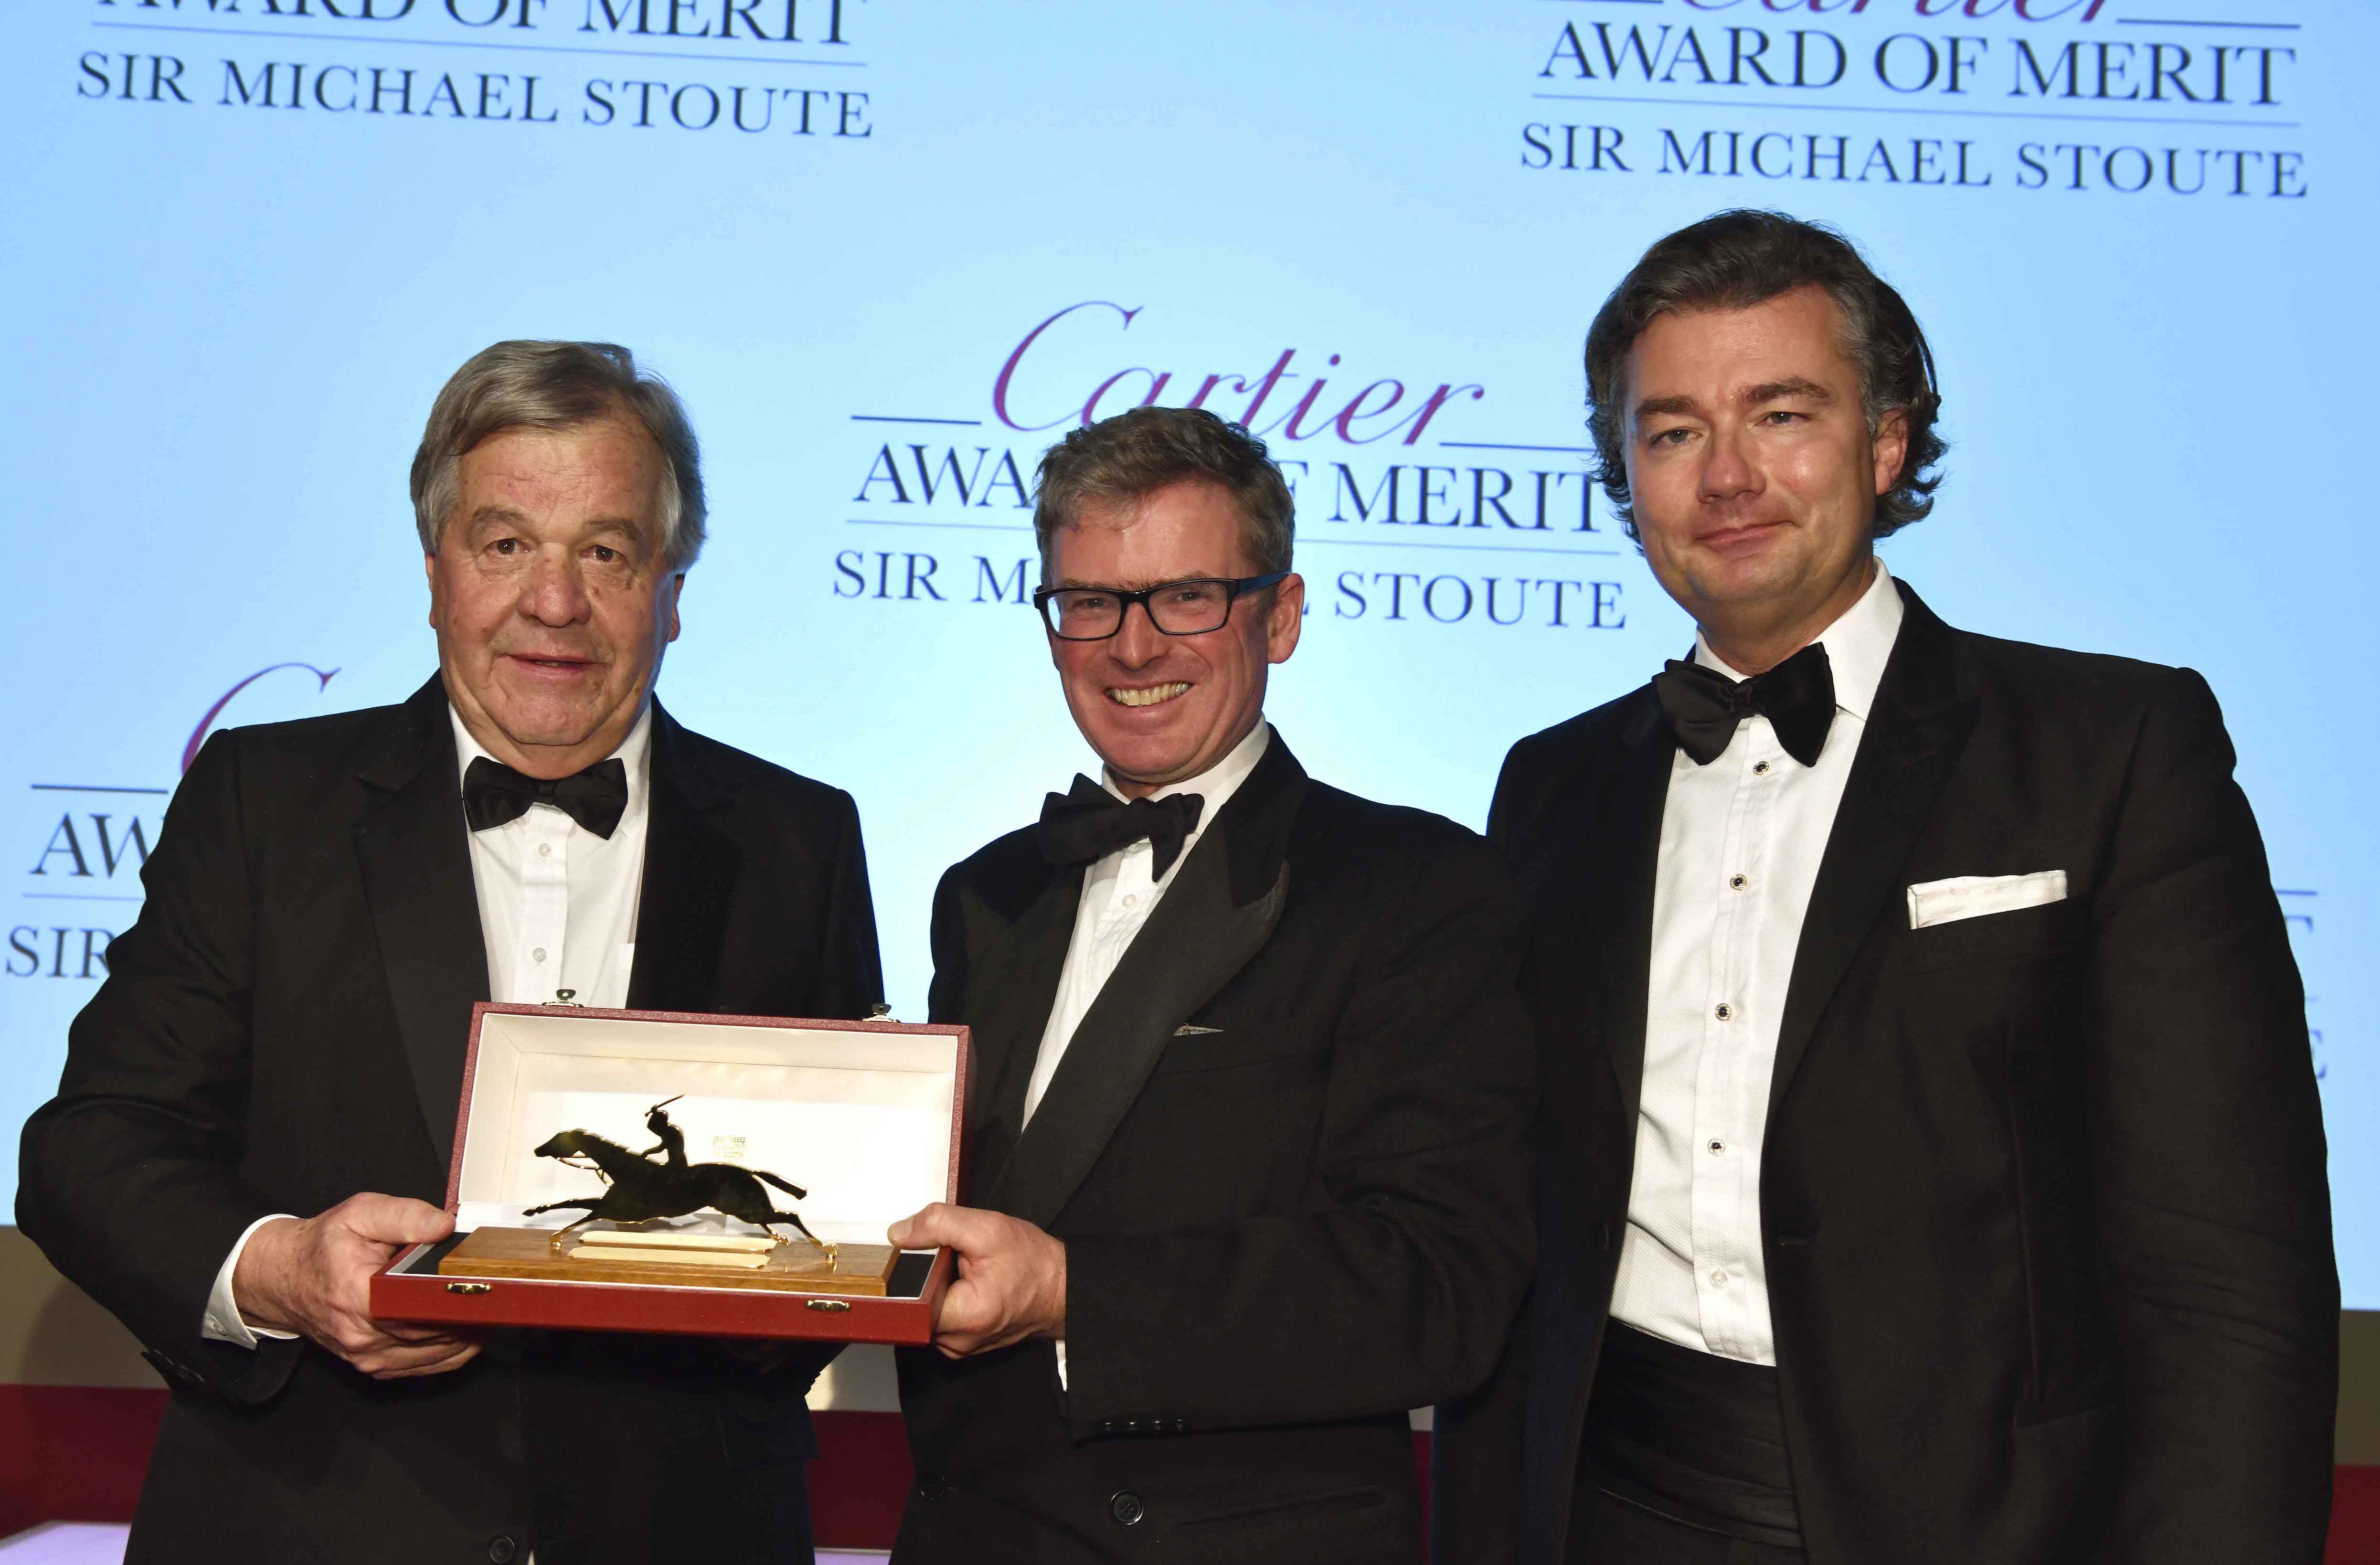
(864, 1115)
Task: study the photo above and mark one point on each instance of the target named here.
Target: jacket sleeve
(1475, 1464)
(127, 1178)
(1396, 1288)
(2206, 1138)
(1475, 1439)
(853, 969)
(946, 994)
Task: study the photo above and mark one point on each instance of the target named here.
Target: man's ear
(1890, 448)
(1286, 618)
(429, 573)
(1047, 634)
(677, 587)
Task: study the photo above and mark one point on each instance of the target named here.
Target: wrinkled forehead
(616, 440)
(603, 470)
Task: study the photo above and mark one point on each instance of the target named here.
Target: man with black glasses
(1247, 1177)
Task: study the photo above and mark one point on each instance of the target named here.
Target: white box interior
(860, 1119)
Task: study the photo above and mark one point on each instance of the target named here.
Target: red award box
(863, 1116)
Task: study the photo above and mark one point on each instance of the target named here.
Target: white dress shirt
(1118, 896)
(557, 903)
(1741, 841)
(557, 910)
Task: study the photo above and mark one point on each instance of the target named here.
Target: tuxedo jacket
(2043, 1195)
(284, 1025)
(1286, 1151)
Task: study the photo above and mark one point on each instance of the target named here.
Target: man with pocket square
(1931, 1164)
(1247, 1171)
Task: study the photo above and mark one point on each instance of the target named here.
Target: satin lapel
(1009, 1009)
(1623, 854)
(1218, 914)
(691, 873)
(413, 850)
(1915, 732)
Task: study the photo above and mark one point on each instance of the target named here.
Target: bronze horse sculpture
(641, 1188)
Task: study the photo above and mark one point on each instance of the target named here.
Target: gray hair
(557, 386)
(1143, 449)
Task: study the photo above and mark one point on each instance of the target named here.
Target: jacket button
(501, 1549)
(933, 1487)
(1602, 1235)
(1126, 1508)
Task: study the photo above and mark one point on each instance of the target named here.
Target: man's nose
(1729, 470)
(555, 594)
(1137, 642)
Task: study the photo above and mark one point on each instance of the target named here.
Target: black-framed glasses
(1190, 607)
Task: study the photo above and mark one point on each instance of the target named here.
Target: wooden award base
(671, 1260)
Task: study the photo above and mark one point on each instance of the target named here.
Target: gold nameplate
(669, 1258)
(671, 1239)
(719, 1260)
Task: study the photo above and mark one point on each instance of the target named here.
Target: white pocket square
(1971, 896)
(1191, 1030)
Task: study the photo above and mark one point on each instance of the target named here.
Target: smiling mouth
(1147, 696)
(1739, 533)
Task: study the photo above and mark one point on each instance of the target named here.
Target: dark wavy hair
(1737, 259)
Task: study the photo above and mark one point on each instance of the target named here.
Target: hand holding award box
(575, 1227)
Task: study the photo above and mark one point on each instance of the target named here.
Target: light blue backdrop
(227, 316)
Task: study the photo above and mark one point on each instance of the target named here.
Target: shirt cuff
(1061, 1365)
(223, 1323)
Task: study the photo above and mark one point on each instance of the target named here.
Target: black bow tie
(1797, 697)
(493, 794)
(1088, 822)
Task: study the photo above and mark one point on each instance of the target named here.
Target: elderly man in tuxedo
(1248, 1178)
(258, 1105)
(1931, 1164)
